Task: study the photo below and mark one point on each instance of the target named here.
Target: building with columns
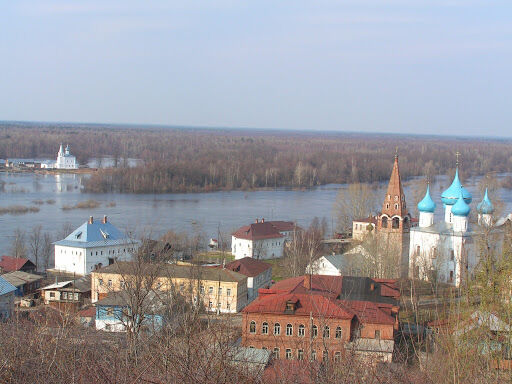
(448, 251)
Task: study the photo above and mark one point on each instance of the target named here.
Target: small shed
(11, 264)
(25, 283)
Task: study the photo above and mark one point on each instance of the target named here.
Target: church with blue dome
(445, 251)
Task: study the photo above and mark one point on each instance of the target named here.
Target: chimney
(91, 220)
(262, 219)
(257, 221)
(104, 219)
(307, 281)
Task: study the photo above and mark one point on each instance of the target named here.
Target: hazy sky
(408, 66)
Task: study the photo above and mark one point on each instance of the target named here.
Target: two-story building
(219, 290)
(316, 317)
(68, 295)
(92, 245)
(262, 239)
(259, 274)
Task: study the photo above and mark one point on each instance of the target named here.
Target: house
(259, 274)
(7, 291)
(11, 264)
(87, 317)
(322, 317)
(25, 283)
(68, 295)
(114, 312)
(363, 227)
(349, 263)
(262, 239)
(92, 245)
(219, 290)
(448, 251)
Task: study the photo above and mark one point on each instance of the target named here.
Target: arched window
(252, 327)
(302, 330)
(396, 206)
(327, 332)
(396, 222)
(384, 222)
(289, 330)
(406, 222)
(277, 329)
(288, 354)
(338, 333)
(315, 331)
(276, 353)
(264, 328)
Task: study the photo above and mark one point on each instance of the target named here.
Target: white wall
(323, 267)
(83, 260)
(258, 249)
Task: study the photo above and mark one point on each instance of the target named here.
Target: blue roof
(450, 195)
(427, 204)
(485, 205)
(6, 287)
(461, 208)
(97, 234)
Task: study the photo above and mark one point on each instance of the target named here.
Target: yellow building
(219, 289)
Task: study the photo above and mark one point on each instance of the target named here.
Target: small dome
(427, 204)
(450, 195)
(485, 206)
(461, 208)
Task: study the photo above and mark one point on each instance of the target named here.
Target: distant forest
(201, 160)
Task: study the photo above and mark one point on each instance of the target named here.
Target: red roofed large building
(323, 317)
(262, 239)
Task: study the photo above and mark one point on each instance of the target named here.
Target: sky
(402, 66)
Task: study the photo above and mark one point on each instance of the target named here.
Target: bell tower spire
(394, 202)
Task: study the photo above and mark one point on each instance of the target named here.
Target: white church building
(448, 251)
(92, 245)
(65, 160)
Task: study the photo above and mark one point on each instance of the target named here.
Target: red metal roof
(258, 231)
(11, 264)
(369, 312)
(248, 266)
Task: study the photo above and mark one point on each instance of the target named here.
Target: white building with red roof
(262, 239)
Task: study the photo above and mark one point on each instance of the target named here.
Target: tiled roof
(283, 226)
(306, 304)
(248, 266)
(368, 312)
(258, 231)
(95, 234)
(10, 264)
(174, 271)
(6, 287)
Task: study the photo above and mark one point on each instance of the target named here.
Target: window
(277, 329)
(377, 334)
(337, 357)
(228, 292)
(302, 330)
(452, 254)
(327, 332)
(338, 333)
(315, 331)
(313, 355)
(276, 353)
(210, 304)
(385, 222)
(396, 198)
(52, 294)
(228, 306)
(300, 354)
(76, 296)
(264, 328)
(201, 289)
(100, 281)
(252, 327)
(110, 311)
(210, 290)
(64, 295)
(288, 354)
(109, 283)
(396, 206)
(418, 249)
(122, 284)
(289, 330)
(325, 356)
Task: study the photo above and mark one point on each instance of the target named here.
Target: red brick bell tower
(394, 221)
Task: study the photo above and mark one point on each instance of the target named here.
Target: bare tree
(18, 245)
(47, 251)
(354, 202)
(36, 244)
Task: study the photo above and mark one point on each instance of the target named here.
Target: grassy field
(215, 257)
(278, 269)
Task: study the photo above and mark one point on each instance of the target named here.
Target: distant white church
(65, 160)
(448, 251)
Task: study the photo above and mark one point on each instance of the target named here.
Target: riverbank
(39, 171)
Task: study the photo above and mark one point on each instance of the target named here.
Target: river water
(154, 215)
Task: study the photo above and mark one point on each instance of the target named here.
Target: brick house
(322, 317)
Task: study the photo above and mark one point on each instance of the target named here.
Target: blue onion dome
(427, 204)
(485, 205)
(450, 195)
(461, 208)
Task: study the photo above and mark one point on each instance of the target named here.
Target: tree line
(202, 160)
